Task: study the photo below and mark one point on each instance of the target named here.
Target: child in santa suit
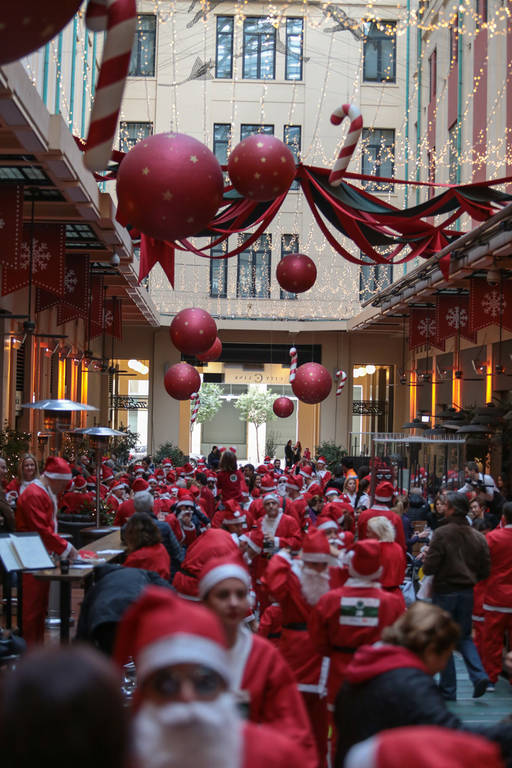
(230, 479)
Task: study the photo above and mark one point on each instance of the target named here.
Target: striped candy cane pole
(119, 19)
(356, 126)
(195, 398)
(293, 366)
(341, 378)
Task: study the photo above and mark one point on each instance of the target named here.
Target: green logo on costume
(359, 611)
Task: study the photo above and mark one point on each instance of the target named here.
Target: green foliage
(122, 446)
(332, 453)
(255, 407)
(170, 451)
(270, 444)
(209, 402)
(13, 444)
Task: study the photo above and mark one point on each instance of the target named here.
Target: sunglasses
(204, 681)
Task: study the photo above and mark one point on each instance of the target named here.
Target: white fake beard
(314, 585)
(197, 734)
(269, 525)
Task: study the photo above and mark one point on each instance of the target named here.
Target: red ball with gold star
(193, 331)
(213, 353)
(261, 167)
(312, 383)
(283, 407)
(296, 273)
(181, 380)
(28, 25)
(169, 186)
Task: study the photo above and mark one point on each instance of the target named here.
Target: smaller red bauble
(193, 331)
(213, 353)
(181, 380)
(283, 407)
(312, 383)
(296, 273)
(261, 167)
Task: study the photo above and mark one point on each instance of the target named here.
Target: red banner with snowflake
(423, 329)
(11, 222)
(111, 323)
(452, 317)
(46, 247)
(488, 302)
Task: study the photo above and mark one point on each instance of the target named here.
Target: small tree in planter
(332, 453)
(209, 402)
(255, 407)
(170, 451)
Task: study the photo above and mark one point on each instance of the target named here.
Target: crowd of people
(270, 612)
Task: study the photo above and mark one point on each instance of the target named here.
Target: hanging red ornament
(283, 407)
(312, 383)
(169, 186)
(193, 331)
(30, 24)
(261, 167)
(181, 380)
(213, 353)
(296, 273)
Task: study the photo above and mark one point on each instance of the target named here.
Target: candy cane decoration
(197, 402)
(341, 378)
(293, 366)
(119, 19)
(354, 132)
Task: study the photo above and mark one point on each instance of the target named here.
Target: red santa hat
(160, 630)
(140, 485)
(233, 514)
(315, 490)
(188, 470)
(325, 523)
(119, 485)
(384, 492)
(271, 497)
(57, 468)
(138, 469)
(170, 476)
(261, 470)
(106, 474)
(79, 483)
(159, 472)
(364, 560)
(254, 540)
(346, 538)
(218, 570)
(331, 492)
(267, 460)
(185, 500)
(315, 548)
(232, 449)
(425, 746)
(152, 480)
(167, 462)
(294, 482)
(267, 484)
(306, 471)
(321, 460)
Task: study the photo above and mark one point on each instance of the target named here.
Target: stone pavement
(488, 709)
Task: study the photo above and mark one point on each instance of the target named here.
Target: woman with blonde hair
(27, 472)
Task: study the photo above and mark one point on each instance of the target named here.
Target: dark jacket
(7, 522)
(458, 556)
(213, 460)
(418, 508)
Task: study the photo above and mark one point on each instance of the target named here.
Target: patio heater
(57, 416)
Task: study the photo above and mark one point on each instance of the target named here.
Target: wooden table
(81, 576)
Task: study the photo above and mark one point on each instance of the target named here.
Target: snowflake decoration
(493, 304)
(427, 327)
(70, 281)
(40, 258)
(108, 318)
(457, 317)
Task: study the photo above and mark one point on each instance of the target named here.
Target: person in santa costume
(230, 479)
(262, 680)
(392, 556)
(322, 473)
(181, 522)
(186, 715)
(78, 500)
(271, 623)
(116, 495)
(127, 507)
(144, 546)
(213, 543)
(295, 503)
(27, 472)
(382, 506)
(232, 519)
(37, 512)
(267, 485)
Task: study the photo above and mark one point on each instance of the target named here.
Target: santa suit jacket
(36, 511)
(231, 485)
(271, 623)
(263, 746)
(392, 559)
(185, 536)
(379, 510)
(347, 618)
(124, 512)
(286, 532)
(213, 543)
(77, 502)
(266, 686)
(296, 508)
(310, 667)
(498, 585)
(209, 502)
(155, 558)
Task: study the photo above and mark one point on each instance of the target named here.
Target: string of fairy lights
(181, 51)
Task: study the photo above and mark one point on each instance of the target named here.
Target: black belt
(274, 635)
(343, 649)
(187, 573)
(298, 626)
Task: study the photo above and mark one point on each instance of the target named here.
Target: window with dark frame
(294, 47)
(224, 47)
(142, 60)
(379, 52)
(432, 75)
(259, 49)
(219, 272)
(289, 244)
(378, 157)
(131, 133)
(292, 137)
(254, 263)
(222, 145)
(248, 129)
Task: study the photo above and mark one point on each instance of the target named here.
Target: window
(378, 157)
(289, 244)
(380, 52)
(219, 272)
(292, 135)
(432, 75)
(222, 145)
(294, 41)
(247, 129)
(142, 61)
(453, 160)
(131, 133)
(224, 47)
(454, 41)
(254, 269)
(481, 13)
(373, 277)
(259, 52)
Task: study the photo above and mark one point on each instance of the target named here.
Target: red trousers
(35, 608)
(495, 626)
(317, 713)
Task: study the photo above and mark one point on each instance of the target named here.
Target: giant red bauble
(261, 167)
(296, 273)
(169, 186)
(213, 353)
(193, 331)
(283, 407)
(181, 380)
(312, 383)
(28, 25)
